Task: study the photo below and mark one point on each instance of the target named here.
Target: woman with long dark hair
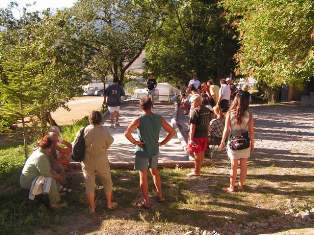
(239, 129)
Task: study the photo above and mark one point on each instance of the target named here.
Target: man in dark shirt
(198, 134)
(113, 95)
(151, 85)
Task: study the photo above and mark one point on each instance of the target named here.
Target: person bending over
(38, 165)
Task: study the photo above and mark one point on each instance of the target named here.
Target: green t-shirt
(148, 132)
(37, 164)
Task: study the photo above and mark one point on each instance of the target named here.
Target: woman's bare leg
(243, 172)
(91, 201)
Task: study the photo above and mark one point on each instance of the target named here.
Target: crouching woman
(37, 169)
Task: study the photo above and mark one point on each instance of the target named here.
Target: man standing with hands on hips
(148, 128)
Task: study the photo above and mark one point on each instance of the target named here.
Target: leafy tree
(120, 28)
(276, 40)
(194, 36)
(41, 65)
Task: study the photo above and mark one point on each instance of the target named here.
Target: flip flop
(193, 174)
(160, 199)
(114, 205)
(228, 190)
(142, 205)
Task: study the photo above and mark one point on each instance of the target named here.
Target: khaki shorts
(114, 109)
(93, 165)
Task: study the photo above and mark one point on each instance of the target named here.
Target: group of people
(44, 170)
(211, 122)
(219, 116)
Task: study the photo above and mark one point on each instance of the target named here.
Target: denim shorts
(142, 163)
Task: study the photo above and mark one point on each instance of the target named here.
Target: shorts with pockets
(142, 163)
(113, 109)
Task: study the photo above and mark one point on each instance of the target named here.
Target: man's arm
(191, 132)
(220, 93)
(167, 128)
(128, 133)
(251, 131)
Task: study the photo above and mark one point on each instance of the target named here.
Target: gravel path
(284, 136)
(123, 150)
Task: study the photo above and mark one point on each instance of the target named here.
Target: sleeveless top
(239, 128)
(148, 132)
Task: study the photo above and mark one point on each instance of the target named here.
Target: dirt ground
(280, 181)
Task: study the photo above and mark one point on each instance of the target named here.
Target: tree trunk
(272, 95)
(48, 118)
(104, 103)
(24, 131)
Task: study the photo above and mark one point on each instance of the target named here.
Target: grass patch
(192, 204)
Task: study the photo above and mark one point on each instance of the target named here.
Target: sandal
(193, 174)
(142, 205)
(114, 205)
(242, 188)
(229, 190)
(160, 199)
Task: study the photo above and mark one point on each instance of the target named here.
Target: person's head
(95, 118)
(229, 81)
(55, 129)
(151, 76)
(196, 101)
(240, 104)
(223, 81)
(193, 89)
(53, 136)
(146, 104)
(219, 111)
(48, 144)
(210, 83)
(194, 75)
(245, 88)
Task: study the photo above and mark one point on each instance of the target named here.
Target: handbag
(240, 141)
(78, 152)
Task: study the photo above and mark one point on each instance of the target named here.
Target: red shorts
(199, 145)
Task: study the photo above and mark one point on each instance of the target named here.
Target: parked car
(92, 87)
(99, 92)
(163, 92)
(89, 91)
(166, 92)
(140, 93)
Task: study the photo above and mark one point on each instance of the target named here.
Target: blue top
(114, 93)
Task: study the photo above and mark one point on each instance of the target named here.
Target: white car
(166, 91)
(163, 92)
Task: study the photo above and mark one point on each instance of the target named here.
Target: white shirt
(195, 83)
(225, 92)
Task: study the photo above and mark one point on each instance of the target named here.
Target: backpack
(78, 152)
(239, 142)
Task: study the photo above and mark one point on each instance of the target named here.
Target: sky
(41, 4)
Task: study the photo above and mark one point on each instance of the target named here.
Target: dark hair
(223, 81)
(146, 103)
(210, 82)
(45, 142)
(95, 118)
(240, 104)
(193, 88)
